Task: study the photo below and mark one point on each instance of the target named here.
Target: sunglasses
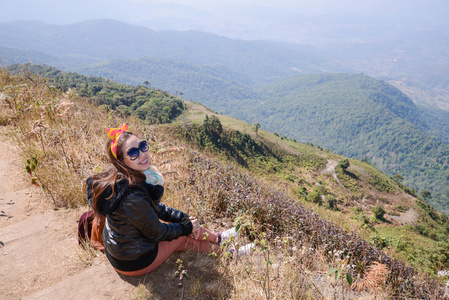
(133, 153)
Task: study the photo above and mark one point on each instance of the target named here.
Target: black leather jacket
(133, 225)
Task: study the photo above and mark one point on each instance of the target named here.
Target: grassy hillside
(221, 170)
(360, 117)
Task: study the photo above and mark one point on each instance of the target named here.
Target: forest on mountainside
(153, 106)
(437, 121)
(218, 84)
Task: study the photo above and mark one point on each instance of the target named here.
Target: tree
(426, 194)
(379, 212)
(206, 124)
(257, 126)
(344, 164)
(212, 125)
(331, 202)
(147, 84)
(216, 125)
(398, 177)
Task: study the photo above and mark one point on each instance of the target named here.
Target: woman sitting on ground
(128, 193)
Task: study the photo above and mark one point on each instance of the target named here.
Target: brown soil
(409, 217)
(39, 253)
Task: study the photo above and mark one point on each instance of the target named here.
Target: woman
(128, 193)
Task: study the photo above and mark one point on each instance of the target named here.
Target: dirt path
(409, 217)
(39, 254)
(330, 168)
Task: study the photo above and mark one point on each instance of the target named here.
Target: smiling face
(141, 163)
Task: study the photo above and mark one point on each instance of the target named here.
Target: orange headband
(114, 134)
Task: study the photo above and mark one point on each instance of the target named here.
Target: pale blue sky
(295, 20)
(70, 10)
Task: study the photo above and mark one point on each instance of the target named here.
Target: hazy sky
(63, 9)
(296, 20)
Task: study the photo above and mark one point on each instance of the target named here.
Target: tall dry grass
(66, 134)
(62, 131)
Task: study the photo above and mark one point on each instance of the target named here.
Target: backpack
(90, 229)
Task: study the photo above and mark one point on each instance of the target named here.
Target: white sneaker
(228, 234)
(243, 251)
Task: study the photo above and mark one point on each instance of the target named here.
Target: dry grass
(374, 279)
(63, 132)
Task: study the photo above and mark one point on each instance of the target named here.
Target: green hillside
(437, 121)
(357, 116)
(225, 90)
(153, 106)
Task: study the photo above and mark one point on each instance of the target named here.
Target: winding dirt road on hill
(39, 254)
(330, 168)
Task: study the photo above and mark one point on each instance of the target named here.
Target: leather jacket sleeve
(171, 215)
(140, 214)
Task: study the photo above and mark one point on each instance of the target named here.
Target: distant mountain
(420, 58)
(259, 61)
(217, 86)
(416, 58)
(9, 56)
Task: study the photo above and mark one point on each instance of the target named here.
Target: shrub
(380, 184)
(379, 212)
(302, 191)
(290, 177)
(433, 235)
(356, 210)
(331, 202)
(344, 164)
(380, 242)
(315, 197)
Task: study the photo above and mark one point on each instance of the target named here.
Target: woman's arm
(176, 216)
(140, 213)
(172, 215)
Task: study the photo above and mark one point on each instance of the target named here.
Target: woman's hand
(195, 227)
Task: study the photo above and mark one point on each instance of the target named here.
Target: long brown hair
(116, 171)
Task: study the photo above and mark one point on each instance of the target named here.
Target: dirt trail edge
(330, 168)
(39, 254)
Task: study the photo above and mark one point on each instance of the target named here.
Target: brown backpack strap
(96, 239)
